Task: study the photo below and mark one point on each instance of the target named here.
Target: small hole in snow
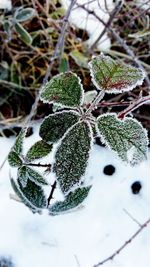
(109, 170)
(136, 187)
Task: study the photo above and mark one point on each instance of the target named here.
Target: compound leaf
(64, 89)
(39, 150)
(55, 125)
(127, 137)
(72, 156)
(31, 195)
(13, 159)
(18, 146)
(114, 76)
(72, 200)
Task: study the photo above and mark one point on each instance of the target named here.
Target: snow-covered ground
(91, 233)
(5, 4)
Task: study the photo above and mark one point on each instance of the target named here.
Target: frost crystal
(55, 125)
(127, 137)
(114, 76)
(64, 89)
(72, 156)
(72, 200)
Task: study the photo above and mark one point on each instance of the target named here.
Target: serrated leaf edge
(116, 91)
(57, 103)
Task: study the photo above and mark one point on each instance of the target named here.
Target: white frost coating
(116, 91)
(57, 103)
(89, 96)
(5, 4)
(94, 27)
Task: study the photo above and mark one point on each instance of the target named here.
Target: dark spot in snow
(98, 141)
(29, 132)
(6, 262)
(109, 170)
(136, 187)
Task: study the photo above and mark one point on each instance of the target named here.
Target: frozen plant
(72, 128)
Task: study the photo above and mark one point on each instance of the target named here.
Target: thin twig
(54, 57)
(112, 256)
(51, 193)
(39, 165)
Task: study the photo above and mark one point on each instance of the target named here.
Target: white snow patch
(5, 4)
(81, 19)
(91, 233)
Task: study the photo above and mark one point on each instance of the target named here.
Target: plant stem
(141, 101)
(38, 165)
(51, 193)
(95, 102)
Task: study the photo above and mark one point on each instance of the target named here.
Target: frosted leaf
(22, 177)
(72, 156)
(64, 89)
(89, 96)
(31, 195)
(24, 14)
(72, 200)
(35, 177)
(18, 146)
(127, 137)
(14, 160)
(39, 150)
(114, 76)
(55, 125)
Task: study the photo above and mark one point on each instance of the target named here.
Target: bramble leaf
(127, 137)
(64, 89)
(35, 177)
(31, 195)
(13, 159)
(22, 176)
(18, 146)
(72, 156)
(114, 76)
(72, 200)
(55, 125)
(39, 150)
(25, 14)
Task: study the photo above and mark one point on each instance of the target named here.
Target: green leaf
(22, 176)
(25, 14)
(55, 125)
(114, 76)
(14, 159)
(127, 137)
(64, 64)
(23, 34)
(72, 200)
(31, 195)
(65, 89)
(39, 150)
(80, 60)
(72, 156)
(35, 177)
(18, 146)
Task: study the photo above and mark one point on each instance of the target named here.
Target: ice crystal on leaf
(72, 156)
(114, 76)
(39, 150)
(72, 200)
(22, 177)
(14, 160)
(123, 136)
(64, 89)
(54, 126)
(26, 173)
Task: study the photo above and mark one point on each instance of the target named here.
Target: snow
(87, 235)
(81, 19)
(5, 4)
